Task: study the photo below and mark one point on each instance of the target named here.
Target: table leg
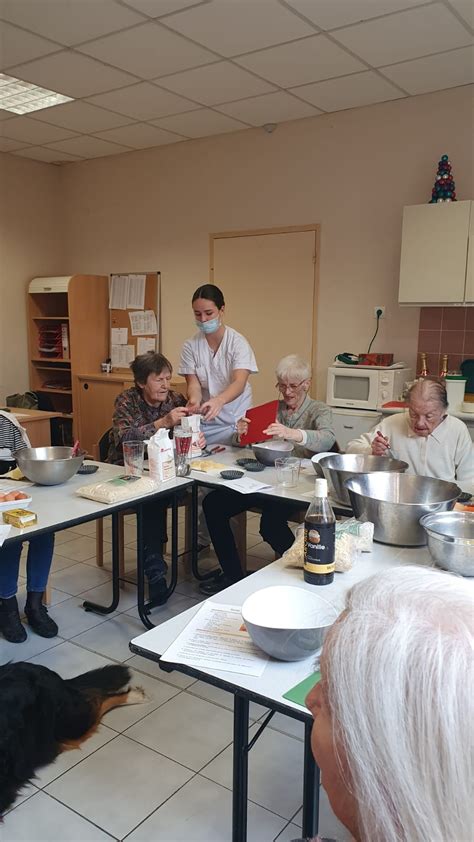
(240, 773)
(310, 787)
(107, 609)
(202, 577)
(141, 572)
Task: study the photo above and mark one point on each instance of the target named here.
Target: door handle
(348, 426)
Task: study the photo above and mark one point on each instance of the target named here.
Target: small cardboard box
(375, 359)
(20, 518)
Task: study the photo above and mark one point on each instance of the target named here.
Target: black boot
(10, 623)
(157, 593)
(37, 615)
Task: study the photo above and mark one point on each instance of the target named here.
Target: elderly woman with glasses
(305, 422)
(393, 711)
(433, 443)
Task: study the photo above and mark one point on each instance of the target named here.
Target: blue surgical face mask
(210, 326)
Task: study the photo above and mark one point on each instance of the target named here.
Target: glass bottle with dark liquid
(319, 538)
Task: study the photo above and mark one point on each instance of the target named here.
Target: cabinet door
(96, 405)
(348, 427)
(470, 261)
(433, 257)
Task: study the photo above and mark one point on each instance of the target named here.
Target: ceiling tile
(50, 156)
(32, 131)
(69, 21)
(465, 8)
(140, 136)
(81, 117)
(155, 8)
(215, 83)
(148, 50)
(199, 123)
(348, 91)
(72, 74)
(269, 108)
(88, 147)
(305, 61)
(143, 101)
(328, 14)
(18, 46)
(231, 28)
(406, 35)
(8, 145)
(434, 73)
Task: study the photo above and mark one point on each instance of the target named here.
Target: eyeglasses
(289, 387)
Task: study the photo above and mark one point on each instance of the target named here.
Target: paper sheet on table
(119, 336)
(143, 323)
(245, 485)
(118, 292)
(6, 485)
(144, 345)
(4, 533)
(136, 292)
(216, 638)
(122, 355)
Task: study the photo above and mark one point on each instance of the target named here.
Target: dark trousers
(154, 536)
(219, 506)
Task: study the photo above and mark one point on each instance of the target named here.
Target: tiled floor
(160, 771)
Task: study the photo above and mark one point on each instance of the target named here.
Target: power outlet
(377, 311)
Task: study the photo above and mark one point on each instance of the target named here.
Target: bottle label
(319, 547)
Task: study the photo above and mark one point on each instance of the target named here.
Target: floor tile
(81, 577)
(157, 694)
(223, 698)
(26, 792)
(129, 557)
(72, 619)
(23, 651)
(290, 832)
(129, 533)
(134, 781)
(65, 536)
(80, 548)
(190, 588)
(281, 793)
(175, 605)
(42, 819)
(69, 660)
(287, 725)
(60, 562)
(111, 638)
(177, 679)
(88, 528)
(202, 812)
(102, 595)
(71, 758)
(186, 729)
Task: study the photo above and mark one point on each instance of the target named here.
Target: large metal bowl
(451, 540)
(48, 465)
(267, 451)
(341, 466)
(394, 503)
(288, 623)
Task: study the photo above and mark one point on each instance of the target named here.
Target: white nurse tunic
(214, 372)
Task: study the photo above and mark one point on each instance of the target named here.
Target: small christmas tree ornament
(444, 189)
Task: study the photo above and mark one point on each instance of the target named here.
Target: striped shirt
(11, 438)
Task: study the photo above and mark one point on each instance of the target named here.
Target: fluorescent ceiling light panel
(22, 97)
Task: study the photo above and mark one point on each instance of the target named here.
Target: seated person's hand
(172, 418)
(210, 409)
(242, 427)
(380, 445)
(282, 432)
(193, 408)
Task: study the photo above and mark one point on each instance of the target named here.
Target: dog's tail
(105, 681)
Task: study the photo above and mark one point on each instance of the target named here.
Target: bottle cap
(321, 487)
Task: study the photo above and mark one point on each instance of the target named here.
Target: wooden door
(469, 296)
(96, 400)
(269, 283)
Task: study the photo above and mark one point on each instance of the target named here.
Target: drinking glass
(183, 439)
(133, 458)
(288, 471)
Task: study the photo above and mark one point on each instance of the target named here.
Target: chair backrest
(102, 448)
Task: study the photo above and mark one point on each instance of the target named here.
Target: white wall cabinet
(348, 424)
(437, 261)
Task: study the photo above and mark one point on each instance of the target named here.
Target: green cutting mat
(299, 692)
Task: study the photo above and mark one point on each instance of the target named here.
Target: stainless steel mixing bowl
(48, 465)
(267, 451)
(341, 466)
(394, 503)
(451, 540)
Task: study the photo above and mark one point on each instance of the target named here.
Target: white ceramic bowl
(288, 623)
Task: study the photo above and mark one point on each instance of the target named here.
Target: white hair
(400, 691)
(293, 367)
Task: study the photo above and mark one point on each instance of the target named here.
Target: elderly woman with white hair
(433, 443)
(305, 422)
(394, 709)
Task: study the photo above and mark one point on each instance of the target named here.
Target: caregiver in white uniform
(216, 362)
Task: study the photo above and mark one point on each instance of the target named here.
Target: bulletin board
(134, 307)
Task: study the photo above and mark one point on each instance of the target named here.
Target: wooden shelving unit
(81, 303)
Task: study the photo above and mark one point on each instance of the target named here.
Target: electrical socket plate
(382, 308)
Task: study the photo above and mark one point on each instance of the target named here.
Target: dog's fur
(42, 715)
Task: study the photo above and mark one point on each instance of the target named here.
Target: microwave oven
(365, 388)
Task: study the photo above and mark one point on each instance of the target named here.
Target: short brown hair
(149, 363)
(430, 387)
